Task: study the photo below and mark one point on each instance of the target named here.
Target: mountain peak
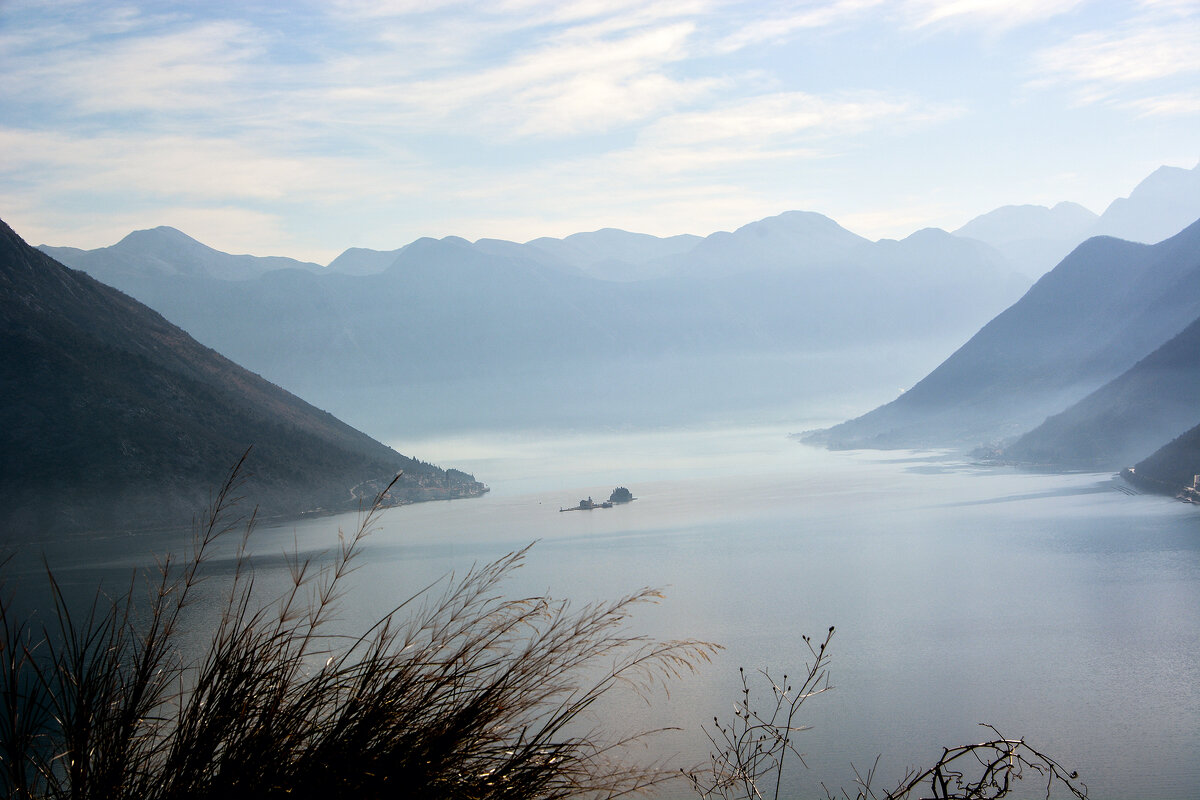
(159, 236)
(1066, 221)
(927, 235)
(798, 223)
(1161, 205)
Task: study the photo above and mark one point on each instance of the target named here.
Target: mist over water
(605, 392)
(1051, 606)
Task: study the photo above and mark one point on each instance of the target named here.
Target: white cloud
(578, 82)
(721, 152)
(1099, 64)
(1182, 8)
(1167, 105)
(627, 13)
(780, 26)
(786, 115)
(992, 15)
(196, 67)
(521, 13)
(164, 168)
(997, 13)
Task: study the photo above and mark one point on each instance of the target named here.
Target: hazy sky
(303, 128)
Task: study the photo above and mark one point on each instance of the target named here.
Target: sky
(304, 128)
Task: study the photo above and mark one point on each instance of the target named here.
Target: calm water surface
(1054, 607)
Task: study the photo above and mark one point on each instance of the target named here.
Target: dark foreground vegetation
(457, 693)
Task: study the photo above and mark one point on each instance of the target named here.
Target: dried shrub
(749, 754)
(458, 692)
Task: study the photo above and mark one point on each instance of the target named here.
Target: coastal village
(1191, 494)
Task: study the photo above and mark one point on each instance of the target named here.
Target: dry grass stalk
(461, 694)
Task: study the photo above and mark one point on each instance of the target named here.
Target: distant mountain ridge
(1165, 202)
(477, 314)
(792, 240)
(616, 255)
(596, 323)
(1033, 238)
(111, 418)
(1106, 306)
(363, 261)
(167, 251)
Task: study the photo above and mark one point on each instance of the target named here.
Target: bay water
(1059, 608)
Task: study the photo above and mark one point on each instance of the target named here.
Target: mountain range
(1095, 367)
(1091, 367)
(533, 329)
(166, 251)
(1035, 238)
(112, 418)
(1031, 238)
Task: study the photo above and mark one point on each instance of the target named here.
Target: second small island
(619, 495)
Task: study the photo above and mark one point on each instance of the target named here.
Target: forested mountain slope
(1106, 306)
(111, 417)
(1153, 402)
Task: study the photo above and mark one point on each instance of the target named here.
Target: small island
(618, 496)
(621, 495)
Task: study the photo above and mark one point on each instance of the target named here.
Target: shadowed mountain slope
(111, 418)
(1170, 468)
(1106, 306)
(1151, 403)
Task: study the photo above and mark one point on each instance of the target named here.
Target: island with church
(619, 495)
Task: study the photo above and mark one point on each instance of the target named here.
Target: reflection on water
(1050, 606)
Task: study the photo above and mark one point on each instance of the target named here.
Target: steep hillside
(1126, 418)
(1172, 467)
(111, 417)
(1107, 305)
